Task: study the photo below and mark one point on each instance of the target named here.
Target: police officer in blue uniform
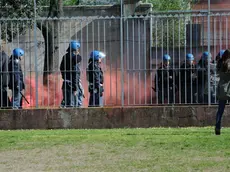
(188, 80)
(4, 80)
(78, 98)
(202, 70)
(214, 78)
(164, 81)
(16, 83)
(70, 74)
(95, 78)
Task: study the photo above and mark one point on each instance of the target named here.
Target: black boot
(217, 131)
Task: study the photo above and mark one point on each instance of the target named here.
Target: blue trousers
(78, 99)
(220, 112)
(16, 102)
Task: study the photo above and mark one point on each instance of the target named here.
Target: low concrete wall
(115, 117)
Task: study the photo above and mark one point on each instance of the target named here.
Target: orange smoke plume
(137, 90)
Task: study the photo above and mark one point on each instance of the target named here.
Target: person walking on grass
(223, 89)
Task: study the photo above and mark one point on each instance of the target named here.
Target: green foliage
(169, 31)
(16, 9)
(70, 2)
(98, 2)
(165, 5)
(19, 8)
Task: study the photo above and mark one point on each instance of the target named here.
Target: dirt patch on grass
(85, 157)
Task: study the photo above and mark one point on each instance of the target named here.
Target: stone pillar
(130, 6)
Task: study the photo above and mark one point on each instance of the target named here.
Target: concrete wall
(89, 118)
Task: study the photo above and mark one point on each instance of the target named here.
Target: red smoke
(135, 92)
(50, 95)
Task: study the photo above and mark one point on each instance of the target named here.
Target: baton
(24, 98)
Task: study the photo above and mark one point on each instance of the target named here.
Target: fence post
(122, 56)
(35, 55)
(209, 50)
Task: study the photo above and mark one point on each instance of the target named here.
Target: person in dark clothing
(188, 80)
(95, 78)
(78, 98)
(223, 89)
(219, 58)
(202, 71)
(164, 81)
(4, 80)
(16, 83)
(214, 79)
(70, 74)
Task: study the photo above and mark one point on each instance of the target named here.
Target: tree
(169, 30)
(14, 9)
(51, 38)
(25, 9)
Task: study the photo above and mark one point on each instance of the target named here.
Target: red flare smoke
(137, 90)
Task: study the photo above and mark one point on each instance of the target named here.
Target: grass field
(153, 149)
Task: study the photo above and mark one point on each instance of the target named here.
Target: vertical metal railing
(122, 54)
(134, 45)
(209, 50)
(35, 52)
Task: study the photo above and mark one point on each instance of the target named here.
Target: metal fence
(134, 48)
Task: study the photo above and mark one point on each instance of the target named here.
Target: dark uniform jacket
(164, 79)
(4, 80)
(188, 76)
(95, 76)
(16, 75)
(70, 72)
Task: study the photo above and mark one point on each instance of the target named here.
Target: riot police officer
(4, 79)
(202, 70)
(214, 78)
(16, 83)
(164, 81)
(70, 74)
(188, 80)
(95, 78)
(78, 98)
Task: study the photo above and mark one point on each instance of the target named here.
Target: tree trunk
(51, 34)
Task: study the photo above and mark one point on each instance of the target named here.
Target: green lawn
(153, 149)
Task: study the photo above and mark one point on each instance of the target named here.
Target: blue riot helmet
(18, 52)
(220, 54)
(206, 56)
(189, 57)
(166, 57)
(74, 45)
(96, 55)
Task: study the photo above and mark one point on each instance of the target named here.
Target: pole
(209, 50)
(122, 57)
(35, 54)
